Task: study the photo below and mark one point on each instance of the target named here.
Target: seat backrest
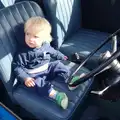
(65, 17)
(11, 21)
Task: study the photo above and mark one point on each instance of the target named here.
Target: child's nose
(31, 39)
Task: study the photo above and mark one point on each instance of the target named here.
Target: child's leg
(42, 86)
(45, 88)
(60, 97)
(58, 69)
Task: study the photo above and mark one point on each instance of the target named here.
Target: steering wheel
(100, 67)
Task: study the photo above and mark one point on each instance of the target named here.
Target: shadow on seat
(11, 38)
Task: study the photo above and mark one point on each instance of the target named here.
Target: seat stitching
(27, 13)
(18, 12)
(32, 8)
(6, 36)
(10, 25)
(59, 17)
(63, 13)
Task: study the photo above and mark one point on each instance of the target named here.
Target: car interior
(78, 26)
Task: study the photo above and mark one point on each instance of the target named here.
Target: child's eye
(27, 33)
(36, 36)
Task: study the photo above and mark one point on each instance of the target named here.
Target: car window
(7, 3)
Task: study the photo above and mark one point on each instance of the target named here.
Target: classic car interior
(77, 26)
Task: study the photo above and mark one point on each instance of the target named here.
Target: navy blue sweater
(29, 58)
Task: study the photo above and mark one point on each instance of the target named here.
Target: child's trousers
(56, 71)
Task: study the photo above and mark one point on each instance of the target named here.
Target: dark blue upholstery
(65, 17)
(84, 41)
(11, 37)
(11, 20)
(48, 109)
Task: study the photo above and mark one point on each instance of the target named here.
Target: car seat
(12, 19)
(68, 34)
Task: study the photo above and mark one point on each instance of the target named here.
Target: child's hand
(29, 82)
(65, 58)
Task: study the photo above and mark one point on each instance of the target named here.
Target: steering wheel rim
(100, 67)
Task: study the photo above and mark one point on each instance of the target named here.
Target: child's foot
(74, 79)
(62, 99)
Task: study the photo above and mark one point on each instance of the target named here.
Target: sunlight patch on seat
(67, 45)
(5, 66)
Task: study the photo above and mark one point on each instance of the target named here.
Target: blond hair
(38, 24)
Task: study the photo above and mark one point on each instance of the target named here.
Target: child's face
(34, 40)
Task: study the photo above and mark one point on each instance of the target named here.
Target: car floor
(100, 109)
(105, 107)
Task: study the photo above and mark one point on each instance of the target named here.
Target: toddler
(32, 65)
